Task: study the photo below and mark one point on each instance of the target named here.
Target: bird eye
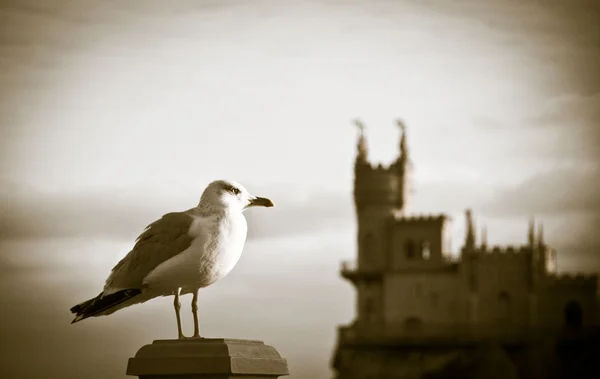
(234, 190)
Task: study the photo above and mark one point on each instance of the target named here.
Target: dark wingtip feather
(101, 303)
(81, 306)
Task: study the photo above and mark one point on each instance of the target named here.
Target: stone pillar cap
(207, 357)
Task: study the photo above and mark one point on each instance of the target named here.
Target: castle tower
(379, 193)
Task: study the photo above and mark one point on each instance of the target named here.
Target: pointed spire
(531, 233)
(403, 168)
(484, 237)
(403, 143)
(361, 146)
(470, 236)
(540, 238)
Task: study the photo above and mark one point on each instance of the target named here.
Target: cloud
(321, 210)
(563, 129)
(122, 213)
(562, 191)
(567, 201)
(572, 110)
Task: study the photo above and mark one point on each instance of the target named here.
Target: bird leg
(177, 305)
(195, 314)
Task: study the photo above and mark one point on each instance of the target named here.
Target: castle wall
(371, 237)
(417, 231)
(430, 297)
(557, 291)
(376, 197)
(370, 302)
(503, 294)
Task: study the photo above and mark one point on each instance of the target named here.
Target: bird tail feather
(100, 304)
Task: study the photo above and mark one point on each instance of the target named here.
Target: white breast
(217, 248)
(228, 246)
(214, 252)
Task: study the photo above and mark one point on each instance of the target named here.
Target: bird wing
(160, 241)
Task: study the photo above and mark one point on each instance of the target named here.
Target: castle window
(410, 249)
(425, 251)
(573, 315)
(504, 306)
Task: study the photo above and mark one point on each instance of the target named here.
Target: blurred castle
(417, 303)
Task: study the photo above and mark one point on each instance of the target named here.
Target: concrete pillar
(207, 358)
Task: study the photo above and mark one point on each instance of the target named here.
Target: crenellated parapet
(498, 251)
(577, 281)
(503, 252)
(376, 184)
(420, 218)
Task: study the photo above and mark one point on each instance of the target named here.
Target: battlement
(371, 166)
(419, 218)
(371, 170)
(376, 185)
(501, 251)
(569, 281)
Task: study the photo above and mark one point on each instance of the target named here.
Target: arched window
(573, 315)
(504, 306)
(425, 249)
(409, 249)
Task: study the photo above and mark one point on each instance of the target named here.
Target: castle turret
(531, 232)
(376, 191)
(470, 232)
(361, 146)
(540, 238)
(375, 187)
(403, 168)
(484, 238)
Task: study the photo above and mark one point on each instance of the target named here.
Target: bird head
(228, 194)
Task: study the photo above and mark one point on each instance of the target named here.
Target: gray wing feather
(160, 241)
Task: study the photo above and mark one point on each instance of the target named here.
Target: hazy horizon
(112, 114)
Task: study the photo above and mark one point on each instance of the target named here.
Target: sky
(114, 113)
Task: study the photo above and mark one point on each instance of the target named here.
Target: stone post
(207, 358)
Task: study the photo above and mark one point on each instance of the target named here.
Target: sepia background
(113, 113)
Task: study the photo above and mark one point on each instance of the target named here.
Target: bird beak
(260, 202)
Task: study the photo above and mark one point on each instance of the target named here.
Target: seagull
(179, 254)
